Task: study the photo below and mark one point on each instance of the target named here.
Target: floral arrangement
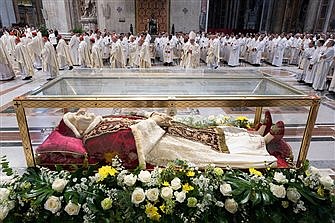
(199, 121)
(177, 193)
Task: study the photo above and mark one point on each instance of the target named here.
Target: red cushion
(111, 138)
(58, 143)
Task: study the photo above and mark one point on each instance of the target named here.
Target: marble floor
(41, 121)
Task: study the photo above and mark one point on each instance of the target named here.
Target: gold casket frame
(62, 92)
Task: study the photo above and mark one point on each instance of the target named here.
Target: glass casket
(172, 91)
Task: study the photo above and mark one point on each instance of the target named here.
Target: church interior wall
(56, 15)
(184, 14)
(116, 15)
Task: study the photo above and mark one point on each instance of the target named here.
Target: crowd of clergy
(27, 51)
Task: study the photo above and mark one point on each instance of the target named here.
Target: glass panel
(165, 84)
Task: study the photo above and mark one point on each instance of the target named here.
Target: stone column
(312, 11)
(329, 12)
(57, 15)
(278, 15)
(269, 16)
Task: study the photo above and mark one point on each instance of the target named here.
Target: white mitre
(81, 122)
(192, 35)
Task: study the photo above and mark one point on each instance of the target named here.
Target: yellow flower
(166, 184)
(241, 118)
(190, 173)
(162, 207)
(255, 172)
(187, 187)
(105, 171)
(152, 212)
(321, 191)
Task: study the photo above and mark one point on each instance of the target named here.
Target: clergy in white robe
(144, 54)
(133, 45)
(23, 59)
(96, 56)
(278, 52)
(74, 45)
(84, 53)
(64, 56)
(313, 63)
(49, 60)
(213, 52)
(307, 55)
(6, 69)
(322, 71)
(296, 45)
(191, 53)
(168, 53)
(116, 53)
(234, 56)
(332, 83)
(35, 48)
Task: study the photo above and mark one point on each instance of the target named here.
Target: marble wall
(7, 13)
(185, 14)
(116, 15)
(57, 15)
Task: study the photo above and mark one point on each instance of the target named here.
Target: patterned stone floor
(41, 121)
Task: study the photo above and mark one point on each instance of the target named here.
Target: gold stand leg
(24, 132)
(258, 115)
(308, 132)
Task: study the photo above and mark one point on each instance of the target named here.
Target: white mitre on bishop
(192, 35)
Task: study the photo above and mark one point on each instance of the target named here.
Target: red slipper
(277, 131)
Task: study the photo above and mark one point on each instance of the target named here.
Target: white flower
(180, 196)
(53, 204)
(72, 208)
(176, 183)
(285, 204)
(166, 193)
(130, 180)
(3, 212)
(152, 194)
(278, 190)
(313, 170)
(327, 182)
(4, 193)
(144, 176)
(231, 205)
(225, 189)
(293, 194)
(280, 178)
(138, 196)
(59, 185)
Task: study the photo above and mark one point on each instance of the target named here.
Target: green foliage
(220, 195)
(44, 31)
(77, 30)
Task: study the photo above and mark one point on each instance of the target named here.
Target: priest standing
(64, 56)
(116, 53)
(49, 59)
(35, 48)
(84, 53)
(191, 53)
(23, 59)
(6, 69)
(74, 45)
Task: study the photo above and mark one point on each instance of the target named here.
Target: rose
(180, 196)
(106, 203)
(3, 212)
(293, 194)
(72, 208)
(192, 202)
(152, 194)
(278, 191)
(327, 182)
(144, 176)
(53, 204)
(218, 171)
(166, 193)
(231, 205)
(176, 183)
(225, 189)
(4, 194)
(138, 196)
(280, 178)
(130, 180)
(59, 185)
